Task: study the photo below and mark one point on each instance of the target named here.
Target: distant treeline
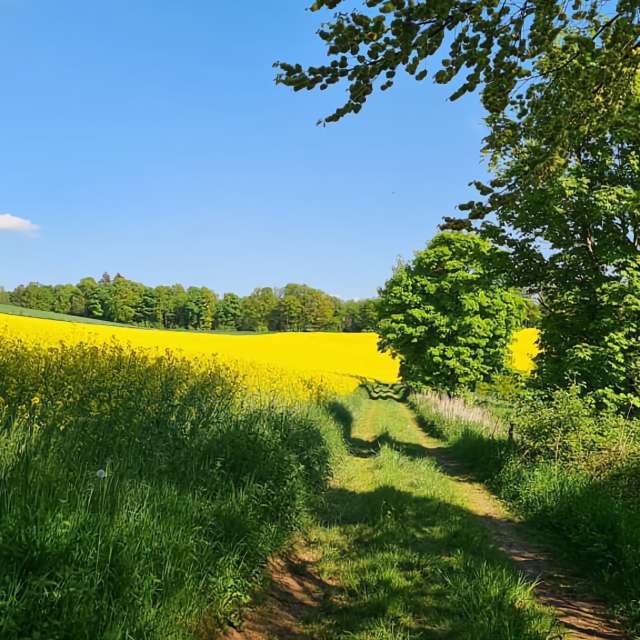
(295, 307)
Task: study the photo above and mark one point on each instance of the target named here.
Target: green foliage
(295, 307)
(570, 469)
(594, 519)
(228, 312)
(359, 315)
(140, 496)
(258, 310)
(567, 427)
(303, 308)
(496, 47)
(565, 205)
(591, 336)
(447, 315)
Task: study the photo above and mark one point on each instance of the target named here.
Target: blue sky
(149, 138)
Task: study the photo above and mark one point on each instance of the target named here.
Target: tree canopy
(486, 45)
(295, 307)
(447, 315)
(571, 223)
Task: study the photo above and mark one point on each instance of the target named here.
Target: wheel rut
(584, 617)
(297, 590)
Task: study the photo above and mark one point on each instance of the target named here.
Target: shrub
(567, 426)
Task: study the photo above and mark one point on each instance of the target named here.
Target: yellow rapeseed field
(297, 365)
(524, 348)
(292, 364)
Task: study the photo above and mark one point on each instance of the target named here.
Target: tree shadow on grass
(417, 567)
(360, 448)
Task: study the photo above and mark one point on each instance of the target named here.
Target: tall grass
(141, 495)
(588, 494)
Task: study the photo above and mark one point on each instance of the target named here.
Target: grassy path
(410, 559)
(582, 616)
(408, 547)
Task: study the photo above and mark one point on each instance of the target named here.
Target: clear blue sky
(149, 138)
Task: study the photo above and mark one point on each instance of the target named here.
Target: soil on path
(297, 590)
(584, 617)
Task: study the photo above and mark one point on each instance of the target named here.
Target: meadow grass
(409, 559)
(15, 310)
(140, 495)
(592, 512)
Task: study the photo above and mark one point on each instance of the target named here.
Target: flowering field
(293, 364)
(524, 348)
(297, 365)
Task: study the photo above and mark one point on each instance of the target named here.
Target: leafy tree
(125, 297)
(93, 298)
(4, 296)
(189, 309)
(303, 308)
(68, 299)
(289, 314)
(149, 312)
(293, 308)
(171, 298)
(207, 308)
(228, 312)
(258, 310)
(497, 45)
(34, 296)
(571, 223)
(591, 336)
(447, 314)
(358, 315)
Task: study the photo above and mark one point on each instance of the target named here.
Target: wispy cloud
(13, 223)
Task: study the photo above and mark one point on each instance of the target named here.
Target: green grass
(14, 310)
(592, 518)
(410, 560)
(200, 486)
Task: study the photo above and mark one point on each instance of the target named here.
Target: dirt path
(584, 617)
(385, 442)
(296, 591)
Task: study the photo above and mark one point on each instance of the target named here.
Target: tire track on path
(584, 617)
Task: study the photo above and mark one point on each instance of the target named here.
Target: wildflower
(101, 473)
(35, 401)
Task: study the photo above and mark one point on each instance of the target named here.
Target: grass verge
(594, 517)
(410, 559)
(140, 496)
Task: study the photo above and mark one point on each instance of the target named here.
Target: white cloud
(13, 223)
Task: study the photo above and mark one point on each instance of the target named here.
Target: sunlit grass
(409, 558)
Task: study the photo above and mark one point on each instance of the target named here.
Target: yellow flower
(35, 401)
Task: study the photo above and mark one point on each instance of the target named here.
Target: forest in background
(295, 307)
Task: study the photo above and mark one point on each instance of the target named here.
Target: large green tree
(258, 310)
(303, 308)
(571, 223)
(228, 312)
(447, 314)
(358, 315)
